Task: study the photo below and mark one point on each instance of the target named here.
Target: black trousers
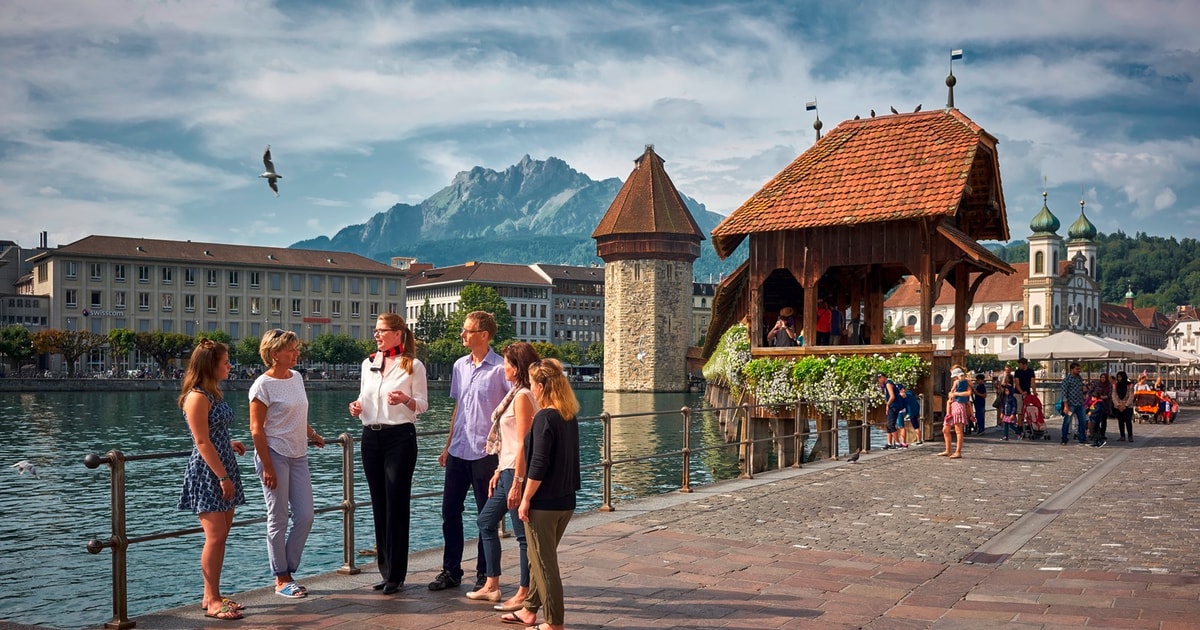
(389, 458)
(463, 475)
(1125, 421)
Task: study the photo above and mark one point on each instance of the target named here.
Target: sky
(149, 118)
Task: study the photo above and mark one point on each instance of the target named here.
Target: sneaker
(1102, 442)
(1006, 439)
(887, 447)
(444, 581)
(903, 445)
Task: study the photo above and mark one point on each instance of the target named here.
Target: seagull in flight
(270, 175)
(25, 466)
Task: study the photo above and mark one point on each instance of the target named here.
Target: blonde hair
(556, 390)
(202, 369)
(407, 340)
(274, 341)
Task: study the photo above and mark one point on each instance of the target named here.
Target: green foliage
(121, 341)
(71, 344)
(245, 351)
(165, 347)
(16, 344)
(431, 323)
(892, 333)
(570, 353)
(219, 336)
(594, 354)
(336, 350)
(444, 351)
(731, 355)
(474, 297)
(771, 381)
(547, 350)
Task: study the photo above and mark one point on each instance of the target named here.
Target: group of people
(1091, 406)
(831, 327)
(513, 442)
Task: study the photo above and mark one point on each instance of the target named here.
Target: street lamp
(1176, 336)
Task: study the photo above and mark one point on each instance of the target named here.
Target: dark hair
(521, 355)
(485, 321)
(1073, 365)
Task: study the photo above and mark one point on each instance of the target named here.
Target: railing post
(747, 443)
(119, 543)
(348, 506)
(833, 442)
(865, 428)
(797, 440)
(687, 449)
(606, 499)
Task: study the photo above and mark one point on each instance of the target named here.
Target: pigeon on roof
(270, 175)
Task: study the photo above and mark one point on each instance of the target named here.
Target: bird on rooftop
(872, 113)
(917, 109)
(894, 110)
(854, 458)
(856, 117)
(26, 466)
(270, 175)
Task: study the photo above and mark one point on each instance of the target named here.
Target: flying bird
(894, 110)
(26, 466)
(917, 109)
(641, 354)
(854, 458)
(270, 175)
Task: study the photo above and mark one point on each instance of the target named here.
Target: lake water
(51, 579)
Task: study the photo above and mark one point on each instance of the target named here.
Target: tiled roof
(1152, 319)
(1012, 327)
(995, 288)
(568, 272)
(1117, 315)
(135, 249)
(889, 168)
(648, 203)
(480, 273)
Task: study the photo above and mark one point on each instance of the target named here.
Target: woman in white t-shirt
(281, 433)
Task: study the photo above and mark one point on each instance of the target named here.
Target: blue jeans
(463, 475)
(489, 528)
(979, 410)
(1080, 421)
(293, 487)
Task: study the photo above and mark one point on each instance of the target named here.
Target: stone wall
(647, 324)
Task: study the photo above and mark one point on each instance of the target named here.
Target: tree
(220, 336)
(444, 351)
(892, 332)
(245, 351)
(569, 352)
(595, 354)
(71, 344)
(164, 347)
(547, 350)
(336, 349)
(478, 298)
(120, 340)
(16, 344)
(431, 323)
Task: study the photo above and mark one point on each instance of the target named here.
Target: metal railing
(120, 541)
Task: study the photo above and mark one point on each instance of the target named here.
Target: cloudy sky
(148, 118)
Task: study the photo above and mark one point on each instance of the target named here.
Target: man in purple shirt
(477, 386)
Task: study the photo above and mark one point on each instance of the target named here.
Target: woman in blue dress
(212, 485)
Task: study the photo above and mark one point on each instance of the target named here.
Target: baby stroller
(1035, 418)
(1148, 406)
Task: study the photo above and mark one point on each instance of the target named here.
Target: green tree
(121, 341)
(245, 351)
(474, 297)
(220, 336)
(336, 350)
(570, 352)
(164, 347)
(442, 353)
(16, 344)
(595, 353)
(71, 344)
(431, 323)
(892, 333)
(547, 350)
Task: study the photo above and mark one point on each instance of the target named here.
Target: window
(542, 308)
(316, 307)
(189, 303)
(1039, 262)
(275, 280)
(97, 300)
(983, 342)
(166, 301)
(297, 280)
(167, 275)
(1037, 315)
(335, 308)
(143, 273)
(119, 300)
(255, 279)
(335, 284)
(143, 301)
(71, 270)
(938, 319)
(993, 317)
(235, 304)
(1012, 341)
(373, 286)
(374, 309)
(393, 287)
(276, 306)
(255, 304)
(315, 281)
(189, 276)
(393, 307)
(119, 273)
(95, 270)
(523, 314)
(522, 329)
(355, 308)
(212, 277)
(355, 286)
(234, 276)
(911, 321)
(296, 307)
(211, 303)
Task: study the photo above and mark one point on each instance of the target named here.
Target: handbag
(1058, 407)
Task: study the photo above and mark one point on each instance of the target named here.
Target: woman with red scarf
(391, 394)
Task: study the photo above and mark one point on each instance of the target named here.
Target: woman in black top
(548, 498)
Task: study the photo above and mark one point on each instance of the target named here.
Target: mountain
(533, 211)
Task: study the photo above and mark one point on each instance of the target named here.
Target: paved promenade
(1015, 534)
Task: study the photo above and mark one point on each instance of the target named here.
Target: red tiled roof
(889, 168)
(479, 272)
(648, 203)
(1152, 319)
(995, 288)
(1118, 315)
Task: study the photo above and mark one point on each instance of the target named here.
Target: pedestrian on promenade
(392, 392)
(1096, 412)
(511, 421)
(1026, 384)
(909, 420)
(552, 457)
(958, 412)
(1142, 385)
(1009, 409)
(979, 396)
(895, 404)
(1072, 396)
(824, 323)
(477, 385)
(212, 483)
(1123, 406)
(1105, 390)
(281, 433)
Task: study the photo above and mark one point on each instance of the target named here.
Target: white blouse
(375, 385)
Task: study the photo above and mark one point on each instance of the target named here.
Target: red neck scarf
(390, 352)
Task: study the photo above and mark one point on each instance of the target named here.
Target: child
(1095, 411)
(1008, 409)
(914, 416)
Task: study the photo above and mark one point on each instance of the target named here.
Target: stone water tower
(648, 241)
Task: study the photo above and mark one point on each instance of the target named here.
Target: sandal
(943, 453)
(228, 602)
(956, 456)
(226, 613)
(291, 590)
(513, 619)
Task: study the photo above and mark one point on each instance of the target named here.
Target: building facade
(523, 288)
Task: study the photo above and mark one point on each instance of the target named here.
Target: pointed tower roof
(1044, 222)
(1082, 229)
(648, 218)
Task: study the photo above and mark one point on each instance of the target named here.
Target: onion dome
(1082, 229)
(1044, 222)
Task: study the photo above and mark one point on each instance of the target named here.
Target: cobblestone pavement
(1015, 534)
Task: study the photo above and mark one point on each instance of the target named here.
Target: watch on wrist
(519, 479)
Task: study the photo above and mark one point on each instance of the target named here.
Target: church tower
(1041, 310)
(1083, 290)
(648, 240)
(1081, 239)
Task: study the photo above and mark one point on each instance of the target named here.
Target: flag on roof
(956, 54)
(809, 106)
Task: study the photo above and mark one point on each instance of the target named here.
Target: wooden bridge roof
(889, 168)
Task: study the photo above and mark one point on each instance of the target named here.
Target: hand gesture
(355, 409)
(238, 447)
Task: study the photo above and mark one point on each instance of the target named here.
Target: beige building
(102, 283)
(523, 288)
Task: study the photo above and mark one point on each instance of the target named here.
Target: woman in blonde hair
(958, 412)
(392, 392)
(281, 432)
(212, 484)
(548, 500)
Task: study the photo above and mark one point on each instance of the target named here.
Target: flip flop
(513, 619)
(226, 613)
(228, 602)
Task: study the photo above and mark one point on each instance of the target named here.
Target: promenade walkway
(1015, 534)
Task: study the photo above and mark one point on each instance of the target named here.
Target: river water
(50, 579)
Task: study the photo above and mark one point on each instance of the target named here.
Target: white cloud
(326, 203)
(382, 200)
